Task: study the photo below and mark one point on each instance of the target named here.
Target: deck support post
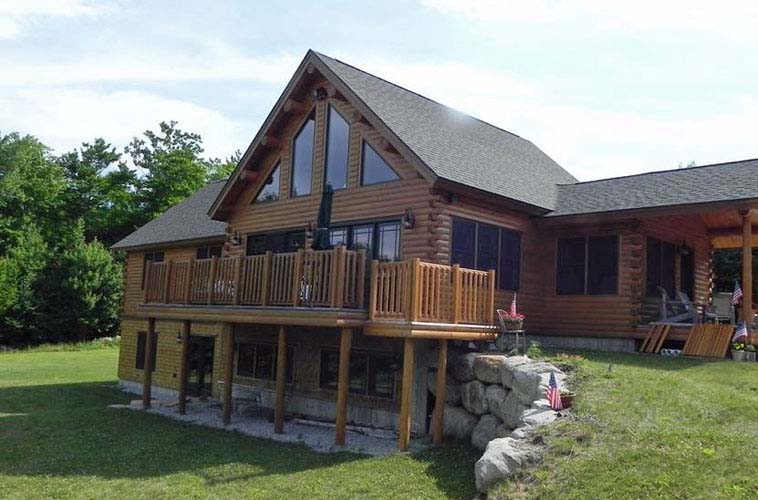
(186, 326)
(147, 372)
(747, 268)
(228, 361)
(281, 382)
(439, 402)
(406, 396)
(343, 381)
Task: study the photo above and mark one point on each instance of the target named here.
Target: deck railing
(325, 278)
(434, 293)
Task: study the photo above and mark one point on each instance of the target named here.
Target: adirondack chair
(677, 311)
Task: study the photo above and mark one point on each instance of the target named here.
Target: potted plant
(738, 351)
(567, 397)
(750, 353)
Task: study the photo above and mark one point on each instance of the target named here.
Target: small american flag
(553, 394)
(737, 293)
(740, 332)
(513, 305)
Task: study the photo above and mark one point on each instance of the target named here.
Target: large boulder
(503, 458)
(530, 381)
(485, 431)
(462, 367)
(474, 398)
(509, 366)
(487, 367)
(535, 417)
(512, 410)
(458, 423)
(496, 396)
(452, 389)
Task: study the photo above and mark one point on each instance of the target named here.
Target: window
(661, 267)
(587, 265)
(258, 360)
(290, 241)
(476, 245)
(270, 189)
(381, 240)
(302, 159)
(207, 252)
(337, 144)
(141, 344)
(370, 373)
(374, 169)
(149, 257)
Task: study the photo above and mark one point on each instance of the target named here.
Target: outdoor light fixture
(236, 240)
(179, 338)
(310, 227)
(319, 94)
(409, 220)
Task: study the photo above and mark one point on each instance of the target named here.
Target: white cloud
(15, 15)
(64, 117)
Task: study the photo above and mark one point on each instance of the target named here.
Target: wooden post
(491, 276)
(212, 280)
(188, 290)
(415, 288)
(361, 279)
(747, 268)
(439, 402)
(374, 288)
(456, 293)
(167, 282)
(147, 372)
(146, 280)
(266, 278)
(406, 396)
(238, 280)
(183, 362)
(339, 276)
(297, 275)
(281, 380)
(343, 381)
(228, 338)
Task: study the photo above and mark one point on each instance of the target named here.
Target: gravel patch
(318, 436)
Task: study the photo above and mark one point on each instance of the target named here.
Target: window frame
(585, 287)
(152, 259)
(361, 176)
(255, 201)
(293, 157)
(499, 253)
(375, 224)
(291, 365)
(327, 128)
(284, 232)
(209, 250)
(367, 355)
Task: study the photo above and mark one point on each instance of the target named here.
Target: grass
(652, 427)
(646, 427)
(59, 440)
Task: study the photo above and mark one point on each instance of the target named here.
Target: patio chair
(504, 332)
(677, 311)
(721, 309)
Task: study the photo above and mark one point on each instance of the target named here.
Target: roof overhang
(170, 244)
(493, 198)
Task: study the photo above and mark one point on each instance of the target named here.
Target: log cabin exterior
(437, 220)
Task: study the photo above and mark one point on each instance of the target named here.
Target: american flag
(740, 332)
(737, 293)
(513, 305)
(553, 394)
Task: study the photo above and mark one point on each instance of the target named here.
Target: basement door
(200, 365)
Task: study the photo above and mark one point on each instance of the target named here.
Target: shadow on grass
(636, 360)
(67, 430)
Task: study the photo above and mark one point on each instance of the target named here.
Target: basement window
(258, 360)
(370, 373)
(141, 345)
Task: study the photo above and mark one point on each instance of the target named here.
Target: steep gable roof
(720, 182)
(185, 221)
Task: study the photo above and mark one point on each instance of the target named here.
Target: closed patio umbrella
(321, 236)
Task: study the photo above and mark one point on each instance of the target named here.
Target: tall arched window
(302, 159)
(337, 143)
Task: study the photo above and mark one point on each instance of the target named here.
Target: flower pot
(751, 356)
(567, 400)
(513, 324)
(739, 355)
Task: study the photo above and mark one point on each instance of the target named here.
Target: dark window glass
(668, 267)
(338, 136)
(381, 375)
(661, 267)
(330, 362)
(370, 373)
(571, 261)
(258, 244)
(141, 345)
(149, 257)
(464, 243)
(245, 360)
(373, 167)
(259, 361)
(363, 238)
(270, 189)
(338, 236)
(602, 265)
(264, 361)
(302, 160)
(358, 382)
(688, 271)
(487, 247)
(207, 252)
(510, 260)
(389, 241)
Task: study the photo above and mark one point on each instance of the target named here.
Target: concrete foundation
(583, 343)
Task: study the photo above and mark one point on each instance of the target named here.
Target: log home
(437, 219)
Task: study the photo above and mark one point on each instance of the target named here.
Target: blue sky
(605, 88)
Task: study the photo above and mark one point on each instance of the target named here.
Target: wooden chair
(677, 311)
(721, 309)
(504, 332)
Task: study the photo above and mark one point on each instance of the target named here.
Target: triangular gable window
(270, 190)
(374, 169)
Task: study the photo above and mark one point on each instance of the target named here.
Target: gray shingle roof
(455, 146)
(731, 181)
(187, 220)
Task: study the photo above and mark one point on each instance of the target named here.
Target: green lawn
(649, 427)
(59, 440)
